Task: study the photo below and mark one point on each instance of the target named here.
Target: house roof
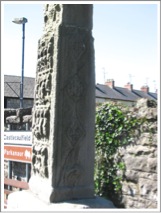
(144, 94)
(108, 92)
(12, 86)
(130, 96)
(124, 94)
(12, 90)
(100, 93)
(154, 95)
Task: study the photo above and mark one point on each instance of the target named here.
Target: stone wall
(18, 118)
(139, 187)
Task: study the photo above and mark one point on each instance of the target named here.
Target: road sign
(18, 137)
(18, 153)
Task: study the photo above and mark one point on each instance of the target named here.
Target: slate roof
(12, 90)
(127, 93)
(154, 95)
(120, 93)
(108, 92)
(143, 94)
(12, 86)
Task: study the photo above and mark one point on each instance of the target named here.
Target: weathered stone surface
(147, 139)
(140, 150)
(139, 203)
(64, 108)
(148, 188)
(139, 187)
(152, 164)
(144, 103)
(130, 188)
(131, 175)
(27, 119)
(150, 114)
(9, 112)
(141, 163)
(134, 176)
(13, 120)
(16, 116)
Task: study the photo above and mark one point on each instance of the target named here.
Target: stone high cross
(64, 107)
(63, 115)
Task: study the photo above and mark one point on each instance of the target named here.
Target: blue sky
(126, 39)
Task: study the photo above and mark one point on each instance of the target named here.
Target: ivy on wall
(115, 127)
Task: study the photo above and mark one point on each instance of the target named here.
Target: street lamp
(22, 21)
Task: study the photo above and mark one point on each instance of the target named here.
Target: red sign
(18, 153)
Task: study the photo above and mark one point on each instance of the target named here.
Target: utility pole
(22, 21)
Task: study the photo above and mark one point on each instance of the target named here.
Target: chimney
(145, 89)
(129, 86)
(110, 83)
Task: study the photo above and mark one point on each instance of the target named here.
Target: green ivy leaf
(114, 128)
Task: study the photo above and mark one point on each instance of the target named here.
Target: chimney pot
(129, 86)
(110, 83)
(145, 89)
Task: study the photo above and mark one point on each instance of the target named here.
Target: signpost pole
(27, 164)
(9, 164)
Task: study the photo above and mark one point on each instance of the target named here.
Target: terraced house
(104, 92)
(126, 94)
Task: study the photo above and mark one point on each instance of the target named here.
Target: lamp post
(22, 21)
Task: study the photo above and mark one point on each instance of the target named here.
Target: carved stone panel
(75, 77)
(63, 117)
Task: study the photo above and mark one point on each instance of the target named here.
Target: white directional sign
(18, 137)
